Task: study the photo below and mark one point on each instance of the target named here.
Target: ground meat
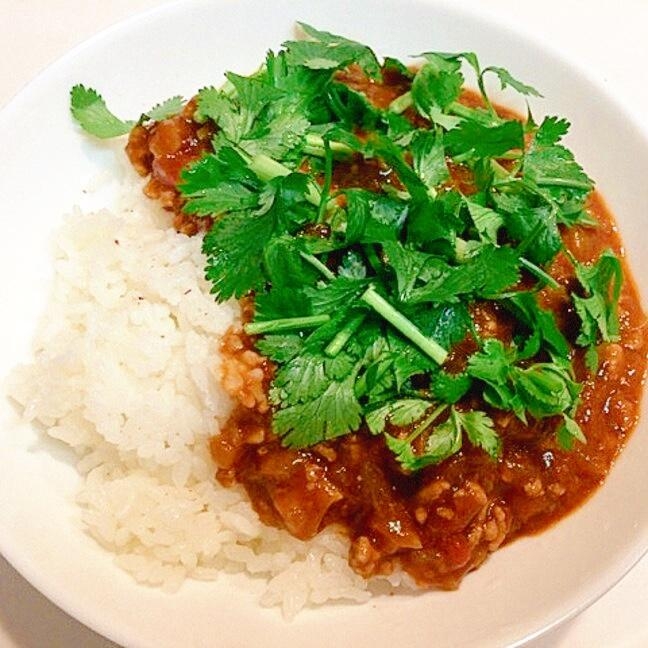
(246, 373)
(443, 521)
(162, 149)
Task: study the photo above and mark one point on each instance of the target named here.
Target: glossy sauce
(443, 521)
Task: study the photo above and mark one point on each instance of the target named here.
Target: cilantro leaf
(541, 389)
(285, 266)
(219, 182)
(539, 321)
(334, 413)
(555, 167)
(353, 108)
(478, 140)
(257, 117)
(568, 432)
(480, 430)
(552, 172)
(279, 132)
(90, 111)
(280, 348)
(281, 302)
(166, 109)
(446, 439)
(535, 228)
(428, 158)
(492, 365)
(328, 51)
(446, 323)
(486, 274)
(408, 265)
(227, 196)
(598, 310)
(486, 220)
(352, 267)
(546, 389)
(401, 413)
(434, 89)
(404, 361)
(304, 86)
(234, 248)
(450, 388)
(335, 295)
(507, 79)
(551, 131)
(300, 380)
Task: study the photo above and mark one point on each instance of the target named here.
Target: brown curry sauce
(443, 521)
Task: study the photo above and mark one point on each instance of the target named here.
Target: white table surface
(610, 35)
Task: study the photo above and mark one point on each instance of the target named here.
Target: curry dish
(436, 519)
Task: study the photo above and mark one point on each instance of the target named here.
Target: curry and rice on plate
(437, 346)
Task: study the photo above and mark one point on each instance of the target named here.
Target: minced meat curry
(435, 516)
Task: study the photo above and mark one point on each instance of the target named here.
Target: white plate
(523, 589)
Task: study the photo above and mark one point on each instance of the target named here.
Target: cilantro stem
(266, 168)
(374, 260)
(459, 110)
(429, 346)
(316, 145)
(405, 101)
(401, 104)
(563, 182)
(425, 423)
(539, 273)
(461, 250)
(328, 177)
(344, 335)
(317, 264)
(482, 90)
(285, 324)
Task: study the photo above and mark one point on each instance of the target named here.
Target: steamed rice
(126, 372)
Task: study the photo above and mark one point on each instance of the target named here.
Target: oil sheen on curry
(405, 210)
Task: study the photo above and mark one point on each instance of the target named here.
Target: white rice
(126, 372)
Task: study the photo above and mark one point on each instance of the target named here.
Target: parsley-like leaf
(480, 430)
(598, 310)
(507, 79)
(90, 111)
(480, 140)
(333, 413)
(234, 248)
(398, 412)
(329, 51)
(166, 109)
(428, 158)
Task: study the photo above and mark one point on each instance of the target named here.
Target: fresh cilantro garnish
(542, 389)
(444, 439)
(324, 51)
(91, 112)
(165, 109)
(89, 109)
(365, 291)
(597, 309)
